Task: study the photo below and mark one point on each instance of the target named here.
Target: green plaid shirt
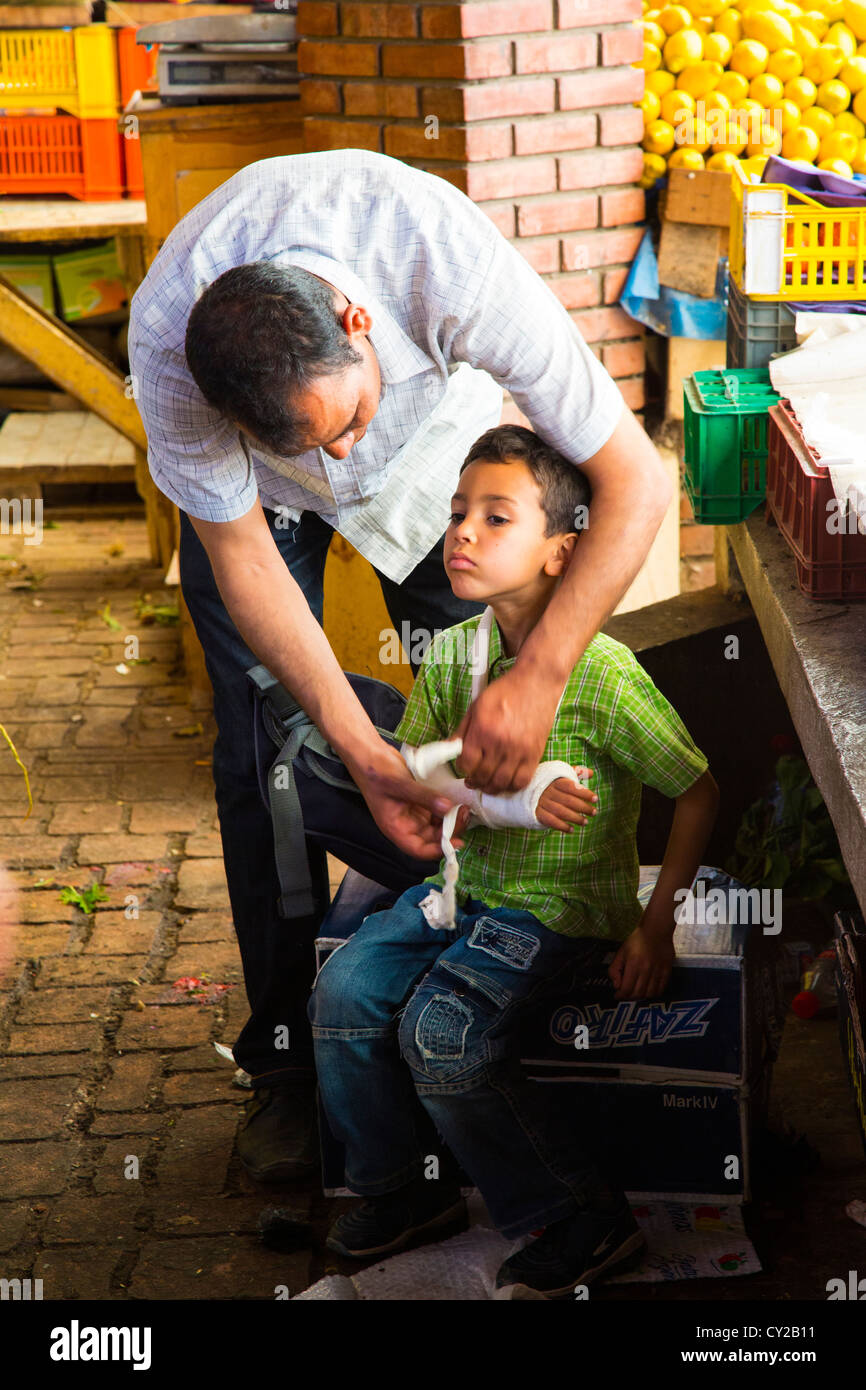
(611, 719)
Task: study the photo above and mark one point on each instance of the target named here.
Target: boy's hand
(641, 967)
(562, 805)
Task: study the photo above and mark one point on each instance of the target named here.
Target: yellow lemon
(847, 121)
(734, 86)
(653, 169)
(682, 49)
(733, 136)
(833, 96)
(839, 145)
(700, 79)
(817, 119)
(686, 158)
(801, 144)
(858, 164)
(770, 142)
(651, 59)
(789, 114)
(785, 63)
(703, 26)
(831, 8)
(860, 104)
(751, 109)
(730, 24)
(659, 137)
(771, 29)
(700, 134)
(861, 50)
(674, 17)
(802, 91)
(854, 74)
(817, 23)
(805, 41)
(718, 48)
(766, 89)
(716, 101)
(660, 82)
(654, 33)
(837, 166)
(723, 162)
(650, 105)
(749, 57)
(854, 14)
(754, 166)
(843, 37)
(676, 106)
(824, 62)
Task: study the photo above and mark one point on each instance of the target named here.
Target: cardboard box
(692, 1070)
(90, 283)
(695, 230)
(32, 276)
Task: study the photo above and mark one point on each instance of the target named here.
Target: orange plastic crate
(136, 64)
(61, 154)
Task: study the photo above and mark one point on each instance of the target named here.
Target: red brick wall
(525, 105)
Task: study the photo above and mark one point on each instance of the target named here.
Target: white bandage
(428, 765)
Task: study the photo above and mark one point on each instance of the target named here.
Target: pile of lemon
(734, 81)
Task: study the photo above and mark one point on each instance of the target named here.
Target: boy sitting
(414, 1017)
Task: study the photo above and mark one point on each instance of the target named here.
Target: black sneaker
(578, 1250)
(279, 1138)
(415, 1214)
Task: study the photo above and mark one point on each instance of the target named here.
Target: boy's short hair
(563, 487)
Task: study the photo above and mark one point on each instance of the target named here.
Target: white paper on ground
(823, 380)
(685, 1242)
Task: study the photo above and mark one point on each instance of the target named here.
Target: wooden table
(56, 219)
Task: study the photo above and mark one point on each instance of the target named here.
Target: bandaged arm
(429, 764)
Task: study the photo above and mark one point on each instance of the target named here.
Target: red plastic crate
(799, 489)
(61, 154)
(136, 64)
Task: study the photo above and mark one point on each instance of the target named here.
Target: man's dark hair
(563, 486)
(256, 338)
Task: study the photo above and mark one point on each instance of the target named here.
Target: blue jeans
(278, 956)
(406, 1013)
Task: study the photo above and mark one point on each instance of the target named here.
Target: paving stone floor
(109, 1068)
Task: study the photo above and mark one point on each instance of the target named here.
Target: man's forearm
(631, 493)
(270, 611)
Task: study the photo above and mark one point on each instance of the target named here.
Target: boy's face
(495, 546)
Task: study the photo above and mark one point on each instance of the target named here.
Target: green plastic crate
(725, 426)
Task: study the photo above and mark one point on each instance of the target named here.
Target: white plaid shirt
(455, 310)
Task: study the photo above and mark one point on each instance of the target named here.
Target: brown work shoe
(279, 1138)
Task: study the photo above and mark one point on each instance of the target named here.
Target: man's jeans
(405, 1011)
(278, 956)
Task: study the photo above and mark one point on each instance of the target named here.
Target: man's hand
(505, 732)
(642, 966)
(408, 813)
(562, 805)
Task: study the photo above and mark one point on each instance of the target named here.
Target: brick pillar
(525, 105)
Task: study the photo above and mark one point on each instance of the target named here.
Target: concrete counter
(818, 651)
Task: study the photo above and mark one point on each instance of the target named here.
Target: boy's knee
(439, 1036)
(335, 997)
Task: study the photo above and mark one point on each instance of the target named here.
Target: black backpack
(314, 804)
